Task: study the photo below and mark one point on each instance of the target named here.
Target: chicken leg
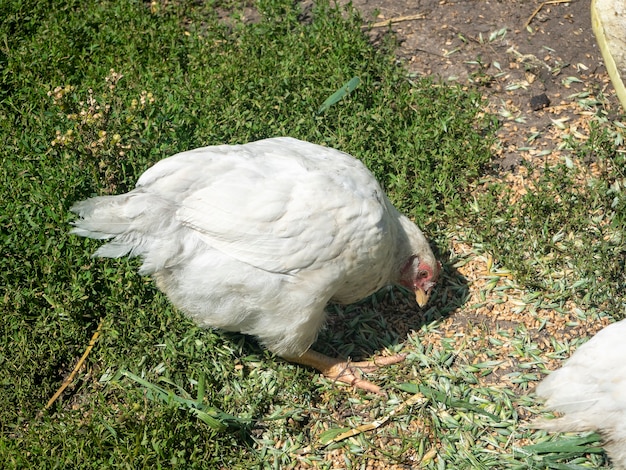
(346, 371)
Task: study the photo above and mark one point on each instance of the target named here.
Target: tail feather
(101, 217)
(115, 250)
(132, 222)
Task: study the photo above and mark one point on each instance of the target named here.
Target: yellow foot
(347, 371)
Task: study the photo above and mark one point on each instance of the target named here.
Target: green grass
(92, 93)
(567, 237)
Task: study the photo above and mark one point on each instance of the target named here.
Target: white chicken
(257, 238)
(590, 391)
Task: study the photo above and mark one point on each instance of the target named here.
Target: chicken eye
(422, 274)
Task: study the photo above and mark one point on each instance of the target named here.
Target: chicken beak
(421, 297)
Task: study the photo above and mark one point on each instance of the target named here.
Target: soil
(527, 57)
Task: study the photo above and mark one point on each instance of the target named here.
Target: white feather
(590, 390)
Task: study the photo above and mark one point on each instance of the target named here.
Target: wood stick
(416, 399)
(397, 19)
(538, 9)
(70, 378)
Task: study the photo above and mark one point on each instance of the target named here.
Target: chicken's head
(420, 276)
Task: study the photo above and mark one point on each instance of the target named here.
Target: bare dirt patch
(533, 60)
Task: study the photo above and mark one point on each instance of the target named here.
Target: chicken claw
(347, 371)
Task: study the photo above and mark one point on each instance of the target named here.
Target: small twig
(413, 400)
(418, 397)
(397, 19)
(463, 38)
(428, 52)
(70, 378)
(538, 9)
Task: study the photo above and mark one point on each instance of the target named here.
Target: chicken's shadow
(386, 318)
